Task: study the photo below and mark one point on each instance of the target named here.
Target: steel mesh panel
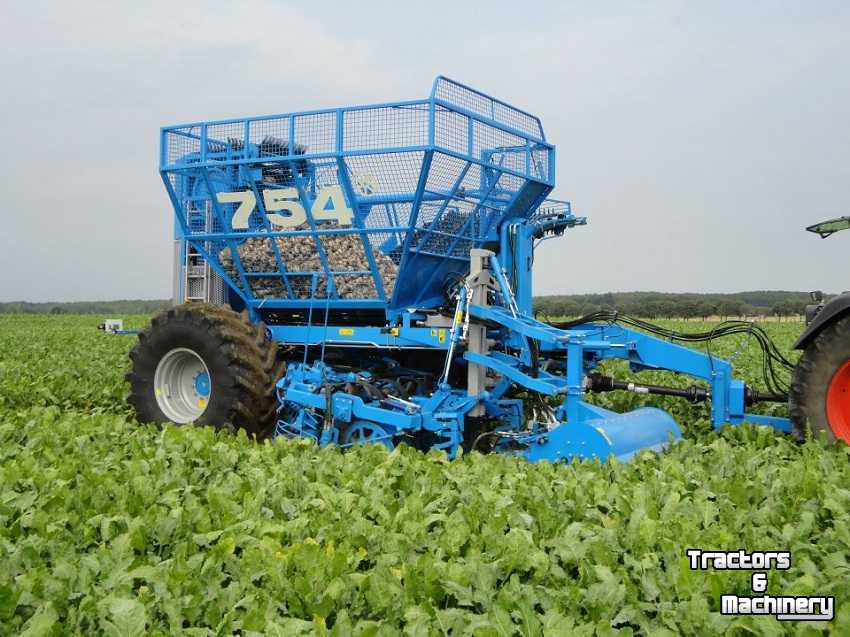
(346, 254)
(540, 159)
(355, 286)
(402, 213)
(195, 289)
(174, 181)
(468, 99)
(316, 132)
(427, 234)
(517, 160)
(255, 254)
(225, 260)
(389, 173)
(256, 220)
(452, 229)
(464, 193)
(451, 226)
(197, 217)
(217, 290)
(509, 184)
(469, 234)
(472, 180)
(277, 128)
(385, 127)
(428, 211)
(487, 139)
(225, 141)
(386, 243)
(265, 287)
(302, 287)
(486, 106)
(451, 130)
(517, 120)
(214, 222)
(325, 173)
(444, 174)
(201, 219)
(181, 142)
(299, 252)
(218, 222)
(270, 140)
(392, 215)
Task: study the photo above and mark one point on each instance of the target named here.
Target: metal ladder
(196, 274)
(200, 282)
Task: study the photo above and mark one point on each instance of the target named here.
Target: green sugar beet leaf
(110, 527)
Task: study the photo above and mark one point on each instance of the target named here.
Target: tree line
(105, 308)
(782, 304)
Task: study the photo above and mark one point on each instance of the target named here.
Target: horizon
(536, 296)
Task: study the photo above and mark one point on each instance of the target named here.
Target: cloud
(89, 86)
(699, 140)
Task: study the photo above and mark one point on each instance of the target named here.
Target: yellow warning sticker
(442, 336)
(346, 331)
(394, 331)
(202, 403)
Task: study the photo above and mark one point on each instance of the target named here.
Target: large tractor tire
(207, 365)
(820, 389)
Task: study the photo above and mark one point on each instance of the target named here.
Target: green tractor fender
(833, 311)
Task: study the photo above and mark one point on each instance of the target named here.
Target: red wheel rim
(838, 403)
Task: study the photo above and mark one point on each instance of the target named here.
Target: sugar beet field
(111, 527)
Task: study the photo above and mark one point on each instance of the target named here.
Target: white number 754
(278, 200)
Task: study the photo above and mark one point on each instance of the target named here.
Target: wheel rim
(362, 433)
(838, 403)
(182, 385)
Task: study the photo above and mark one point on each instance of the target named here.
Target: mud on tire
(243, 366)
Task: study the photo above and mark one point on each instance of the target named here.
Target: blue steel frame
(475, 171)
(587, 345)
(579, 430)
(464, 148)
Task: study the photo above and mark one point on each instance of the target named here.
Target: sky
(698, 138)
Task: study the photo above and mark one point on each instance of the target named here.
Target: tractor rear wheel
(820, 389)
(207, 365)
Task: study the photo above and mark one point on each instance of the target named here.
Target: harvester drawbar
(377, 267)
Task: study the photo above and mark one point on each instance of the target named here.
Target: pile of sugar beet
(299, 254)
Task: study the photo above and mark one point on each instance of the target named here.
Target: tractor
(820, 388)
(363, 274)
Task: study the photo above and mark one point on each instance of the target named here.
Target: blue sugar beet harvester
(364, 274)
